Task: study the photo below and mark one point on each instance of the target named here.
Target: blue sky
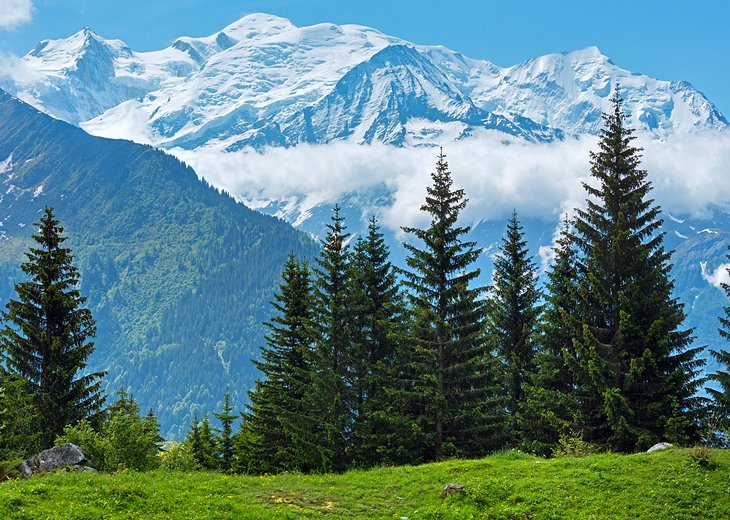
(667, 39)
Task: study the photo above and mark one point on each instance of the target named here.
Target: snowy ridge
(263, 81)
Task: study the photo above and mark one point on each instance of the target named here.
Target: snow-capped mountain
(263, 81)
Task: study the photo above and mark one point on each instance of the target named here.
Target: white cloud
(14, 71)
(15, 12)
(542, 181)
(717, 277)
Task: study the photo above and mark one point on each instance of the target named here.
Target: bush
(124, 440)
(178, 457)
(9, 469)
(703, 457)
(573, 445)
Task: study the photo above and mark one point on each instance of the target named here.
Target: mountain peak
(257, 25)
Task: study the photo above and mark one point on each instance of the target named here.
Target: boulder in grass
(659, 446)
(451, 489)
(54, 458)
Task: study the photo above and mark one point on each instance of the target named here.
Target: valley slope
(178, 275)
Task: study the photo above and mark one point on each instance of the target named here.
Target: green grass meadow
(663, 485)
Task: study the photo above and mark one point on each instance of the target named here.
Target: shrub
(703, 457)
(9, 469)
(124, 440)
(573, 445)
(178, 457)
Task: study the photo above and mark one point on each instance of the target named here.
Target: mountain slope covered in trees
(178, 275)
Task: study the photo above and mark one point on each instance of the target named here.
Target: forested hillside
(178, 275)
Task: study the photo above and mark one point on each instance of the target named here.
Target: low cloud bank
(689, 173)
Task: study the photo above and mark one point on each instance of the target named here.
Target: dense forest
(366, 364)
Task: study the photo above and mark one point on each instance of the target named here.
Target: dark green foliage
(380, 427)
(225, 433)
(512, 318)
(637, 373)
(449, 359)
(550, 410)
(720, 407)
(276, 434)
(331, 397)
(46, 339)
(178, 275)
(20, 421)
(123, 439)
(202, 443)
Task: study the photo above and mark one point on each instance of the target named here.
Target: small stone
(659, 446)
(25, 470)
(451, 489)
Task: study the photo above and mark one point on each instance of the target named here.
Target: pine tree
(637, 372)
(225, 440)
(720, 406)
(452, 379)
(201, 440)
(513, 317)
(377, 320)
(276, 433)
(550, 408)
(331, 399)
(46, 339)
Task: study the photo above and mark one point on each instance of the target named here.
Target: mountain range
(263, 81)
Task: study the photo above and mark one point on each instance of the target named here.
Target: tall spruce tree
(46, 340)
(225, 443)
(331, 398)
(550, 409)
(379, 425)
(637, 372)
(513, 317)
(275, 433)
(452, 378)
(721, 396)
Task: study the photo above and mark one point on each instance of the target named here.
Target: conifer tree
(720, 406)
(452, 380)
(637, 371)
(377, 332)
(513, 317)
(550, 408)
(46, 340)
(276, 433)
(225, 439)
(331, 399)
(201, 440)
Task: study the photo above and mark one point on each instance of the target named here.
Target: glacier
(262, 81)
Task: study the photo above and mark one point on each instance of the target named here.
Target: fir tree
(550, 408)
(276, 432)
(225, 440)
(637, 372)
(513, 314)
(331, 400)
(201, 440)
(720, 406)
(47, 337)
(377, 319)
(451, 376)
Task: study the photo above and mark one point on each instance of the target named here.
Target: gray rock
(54, 458)
(660, 446)
(451, 489)
(25, 470)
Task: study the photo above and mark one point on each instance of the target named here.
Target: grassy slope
(659, 485)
